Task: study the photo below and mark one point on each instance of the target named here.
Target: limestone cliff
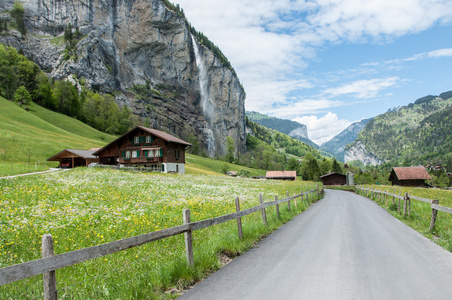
(131, 43)
(358, 151)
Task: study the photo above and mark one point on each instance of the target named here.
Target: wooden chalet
(334, 179)
(70, 158)
(409, 176)
(146, 147)
(282, 175)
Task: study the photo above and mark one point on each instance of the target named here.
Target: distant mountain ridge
(291, 128)
(419, 133)
(336, 145)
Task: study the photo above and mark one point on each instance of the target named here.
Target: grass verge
(420, 215)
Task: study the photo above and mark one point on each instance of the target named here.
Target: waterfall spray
(206, 106)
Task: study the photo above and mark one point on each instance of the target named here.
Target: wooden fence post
(288, 202)
(386, 198)
(264, 214)
(239, 220)
(295, 200)
(277, 208)
(49, 278)
(408, 203)
(405, 203)
(393, 199)
(188, 240)
(434, 213)
(400, 194)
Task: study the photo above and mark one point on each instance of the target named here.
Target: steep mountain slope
(123, 46)
(293, 129)
(336, 145)
(415, 134)
(25, 133)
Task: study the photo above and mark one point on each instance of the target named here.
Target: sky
(329, 63)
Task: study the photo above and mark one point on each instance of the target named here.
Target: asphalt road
(343, 247)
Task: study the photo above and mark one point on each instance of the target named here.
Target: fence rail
(49, 263)
(407, 203)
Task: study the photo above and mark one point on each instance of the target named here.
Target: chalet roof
(331, 174)
(410, 173)
(73, 153)
(281, 174)
(164, 136)
(160, 134)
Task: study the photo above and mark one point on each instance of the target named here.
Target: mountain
(418, 133)
(291, 128)
(143, 52)
(336, 145)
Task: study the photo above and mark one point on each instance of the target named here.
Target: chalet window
(128, 154)
(136, 153)
(148, 139)
(136, 140)
(151, 153)
(177, 154)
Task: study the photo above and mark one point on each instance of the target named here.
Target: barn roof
(331, 174)
(73, 153)
(410, 173)
(281, 174)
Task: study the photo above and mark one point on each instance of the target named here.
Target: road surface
(343, 247)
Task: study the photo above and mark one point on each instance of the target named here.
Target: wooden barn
(148, 148)
(409, 176)
(70, 158)
(334, 179)
(282, 175)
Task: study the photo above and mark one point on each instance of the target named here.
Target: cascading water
(206, 106)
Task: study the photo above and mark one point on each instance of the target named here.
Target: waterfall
(206, 105)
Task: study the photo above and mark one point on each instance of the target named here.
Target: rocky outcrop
(357, 151)
(137, 42)
(300, 132)
(336, 145)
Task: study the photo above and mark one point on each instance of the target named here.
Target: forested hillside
(419, 133)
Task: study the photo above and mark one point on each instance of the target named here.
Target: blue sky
(328, 63)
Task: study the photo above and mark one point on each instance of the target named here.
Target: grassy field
(40, 133)
(86, 207)
(200, 165)
(421, 212)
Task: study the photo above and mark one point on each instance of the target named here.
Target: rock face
(337, 144)
(138, 42)
(300, 132)
(358, 152)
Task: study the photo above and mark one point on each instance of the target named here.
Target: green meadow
(89, 206)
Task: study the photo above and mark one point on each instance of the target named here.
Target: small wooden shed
(409, 176)
(71, 158)
(334, 179)
(282, 175)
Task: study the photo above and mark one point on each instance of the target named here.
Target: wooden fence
(50, 262)
(383, 196)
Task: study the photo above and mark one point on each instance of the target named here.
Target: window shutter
(138, 153)
(161, 152)
(146, 153)
(123, 153)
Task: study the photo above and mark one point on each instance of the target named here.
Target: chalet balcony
(140, 160)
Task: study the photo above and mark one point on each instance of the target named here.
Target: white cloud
(363, 88)
(304, 107)
(323, 129)
(269, 43)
